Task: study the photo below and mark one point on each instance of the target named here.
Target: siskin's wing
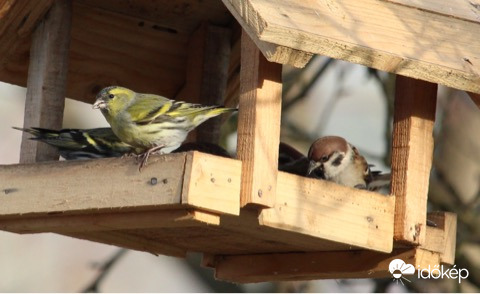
(146, 108)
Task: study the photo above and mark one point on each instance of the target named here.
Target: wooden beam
(183, 17)
(318, 208)
(150, 59)
(212, 183)
(17, 20)
(439, 249)
(110, 183)
(259, 125)
(47, 76)
(442, 239)
(387, 35)
(282, 54)
(117, 238)
(192, 200)
(206, 76)
(100, 221)
(316, 265)
(412, 153)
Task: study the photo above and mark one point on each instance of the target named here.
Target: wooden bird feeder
(252, 222)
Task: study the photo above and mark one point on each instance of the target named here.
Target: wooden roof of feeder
(238, 212)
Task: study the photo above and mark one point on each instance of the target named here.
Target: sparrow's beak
(99, 104)
(312, 165)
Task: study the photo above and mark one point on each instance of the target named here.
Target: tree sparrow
(334, 159)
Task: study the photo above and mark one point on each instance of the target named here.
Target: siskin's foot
(143, 157)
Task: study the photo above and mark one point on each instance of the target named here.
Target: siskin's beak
(312, 165)
(99, 104)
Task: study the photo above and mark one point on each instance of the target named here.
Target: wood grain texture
(319, 208)
(109, 48)
(272, 51)
(283, 55)
(213, 183)
(17, 21)
(439, 249)
(447, 224)
(393, 36)
(206, 76)
(175, 199)
(414, 117)
(466, 10)
(47, 76)
(137, 44)
(86, 186)
(316, 265)
(120, 239)
(181, 16)
(258, 124)
(168, 217)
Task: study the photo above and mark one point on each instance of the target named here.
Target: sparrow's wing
(379, 180)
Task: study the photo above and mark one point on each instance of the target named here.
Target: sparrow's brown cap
(325, 146)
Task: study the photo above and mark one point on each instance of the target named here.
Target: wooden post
(47, 76)
(258, 124)
(415, 103)
(206, 76)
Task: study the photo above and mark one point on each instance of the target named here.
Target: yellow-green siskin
(81, 143)
(151, 122)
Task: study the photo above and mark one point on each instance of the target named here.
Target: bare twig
(104, 270)
(288, 104)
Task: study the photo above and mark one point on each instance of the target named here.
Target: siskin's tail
(81, 143)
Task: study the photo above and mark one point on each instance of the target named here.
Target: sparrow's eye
(111, 96)
(324, 158)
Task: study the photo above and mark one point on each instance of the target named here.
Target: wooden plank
(72, 198)
(47, 75)
(212, 183)
(453, 8)
(120, 239)
(90, 185)
(412, 152)
(100, 221)
(337, 264)
(283, 55)
(318, 208)
(149, 60)
(17, 20)
(381, 34)
(316, 265)
(447, 224)
(176, 16)
(280, 240)
(259, 125)
(206, 76)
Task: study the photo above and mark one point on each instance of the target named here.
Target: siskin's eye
(111, 96)
(324, 158)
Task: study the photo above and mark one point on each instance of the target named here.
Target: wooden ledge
(193, 179)
(373, 33)
(189, 202)
(439, 249)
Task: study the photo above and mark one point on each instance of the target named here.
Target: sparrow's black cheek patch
(337, 160)
(318, 173)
